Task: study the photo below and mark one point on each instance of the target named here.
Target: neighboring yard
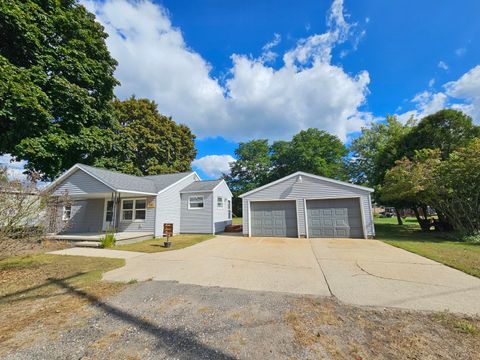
(156, 245)
(459, 255)
(39, 292)
(237, 221)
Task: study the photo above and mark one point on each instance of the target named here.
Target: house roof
(152, 184)
(201, 186)
(301, 173)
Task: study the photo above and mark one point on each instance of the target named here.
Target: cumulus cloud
(462, 94)
(257, 99)
(214, 165)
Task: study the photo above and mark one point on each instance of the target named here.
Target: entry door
(274, 218)
(108, 215)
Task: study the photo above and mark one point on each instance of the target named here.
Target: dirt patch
(37, 295)
(157, 320)
(17, 247)
(335, 330)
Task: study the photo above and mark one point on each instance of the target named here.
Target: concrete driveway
(359, 272)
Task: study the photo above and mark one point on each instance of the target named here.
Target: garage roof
(301, 173)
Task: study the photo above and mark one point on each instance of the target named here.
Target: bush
(108, 240)
(472, 239)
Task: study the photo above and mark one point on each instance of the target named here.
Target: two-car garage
(305, 205)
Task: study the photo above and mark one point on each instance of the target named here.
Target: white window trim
(64, 212)
(196, 208)
(133, 210)
(221, 202)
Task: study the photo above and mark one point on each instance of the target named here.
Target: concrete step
(90, 244)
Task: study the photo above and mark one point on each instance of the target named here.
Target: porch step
(233, 228)
(91, 244)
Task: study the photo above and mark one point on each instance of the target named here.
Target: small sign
(151, 203)
(167, 229)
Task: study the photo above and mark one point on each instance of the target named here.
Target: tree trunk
(399, 218)
(424, 225)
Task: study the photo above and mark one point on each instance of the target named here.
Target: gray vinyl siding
(80, 183)
(86, 216)
(220, 215)
(134, 226)
(197, 220)
(309, 188)
(168, 206)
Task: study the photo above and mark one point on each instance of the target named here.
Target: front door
(108, 215)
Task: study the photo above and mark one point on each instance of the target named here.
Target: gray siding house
(93, 200)
(306, 205)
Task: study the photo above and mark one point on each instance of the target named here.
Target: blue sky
(238, 70)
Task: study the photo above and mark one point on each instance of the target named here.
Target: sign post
(167, 233)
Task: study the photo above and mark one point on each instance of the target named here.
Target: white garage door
(334, 218)
(274, 218)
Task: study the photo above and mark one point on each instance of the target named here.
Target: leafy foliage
(146, 142)
(313, 151)
(56, 84)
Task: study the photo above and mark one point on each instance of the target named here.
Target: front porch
(93, 239)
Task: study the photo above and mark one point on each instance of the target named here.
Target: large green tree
(56, 84)
(146, 142)
(313, 151)
(446, 130)
(376, 150)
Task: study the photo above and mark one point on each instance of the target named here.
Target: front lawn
(156, 245)
(39, 292)
(436, 246)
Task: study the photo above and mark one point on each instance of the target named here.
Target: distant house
(137, 207)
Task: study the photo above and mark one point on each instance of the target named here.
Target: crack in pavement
(388, 278)
(262, 262)
(321, 269)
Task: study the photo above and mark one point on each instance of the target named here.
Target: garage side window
(195, 202)
(219, 202)
(229, 209)
(67, 212)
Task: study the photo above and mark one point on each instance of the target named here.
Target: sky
(240, 70)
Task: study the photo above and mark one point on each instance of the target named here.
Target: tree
(376, 150)
(251, 170)
(56, 84)
(457, 189)
(445, 130)
(146, 142)
(411, 184)
(313, 151)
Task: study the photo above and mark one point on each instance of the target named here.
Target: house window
(229, 206)
(219, 202)
(195, 202)
(67, 212)
(134, 209)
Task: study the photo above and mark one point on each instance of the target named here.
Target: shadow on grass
(178, 344)
(412, 232)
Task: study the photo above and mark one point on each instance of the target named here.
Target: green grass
(443, 248)
(237, 221)
(156, 245)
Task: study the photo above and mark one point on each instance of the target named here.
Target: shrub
(108, 240)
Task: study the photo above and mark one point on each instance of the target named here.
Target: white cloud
(15, 169)
(466, 90)
(257, 99)
(442, 65)
(460, 51)
(214, 165)
(431, 82)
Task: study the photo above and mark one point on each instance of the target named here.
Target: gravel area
(167, 320)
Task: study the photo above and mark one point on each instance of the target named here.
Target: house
(93, 200)
(306, 205)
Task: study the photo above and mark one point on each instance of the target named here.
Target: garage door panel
(334, 218)
(274, 218)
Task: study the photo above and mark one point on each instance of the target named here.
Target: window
(219, 202)
(67, 212)
(229, 209)
(134, 209)
(195, 202)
